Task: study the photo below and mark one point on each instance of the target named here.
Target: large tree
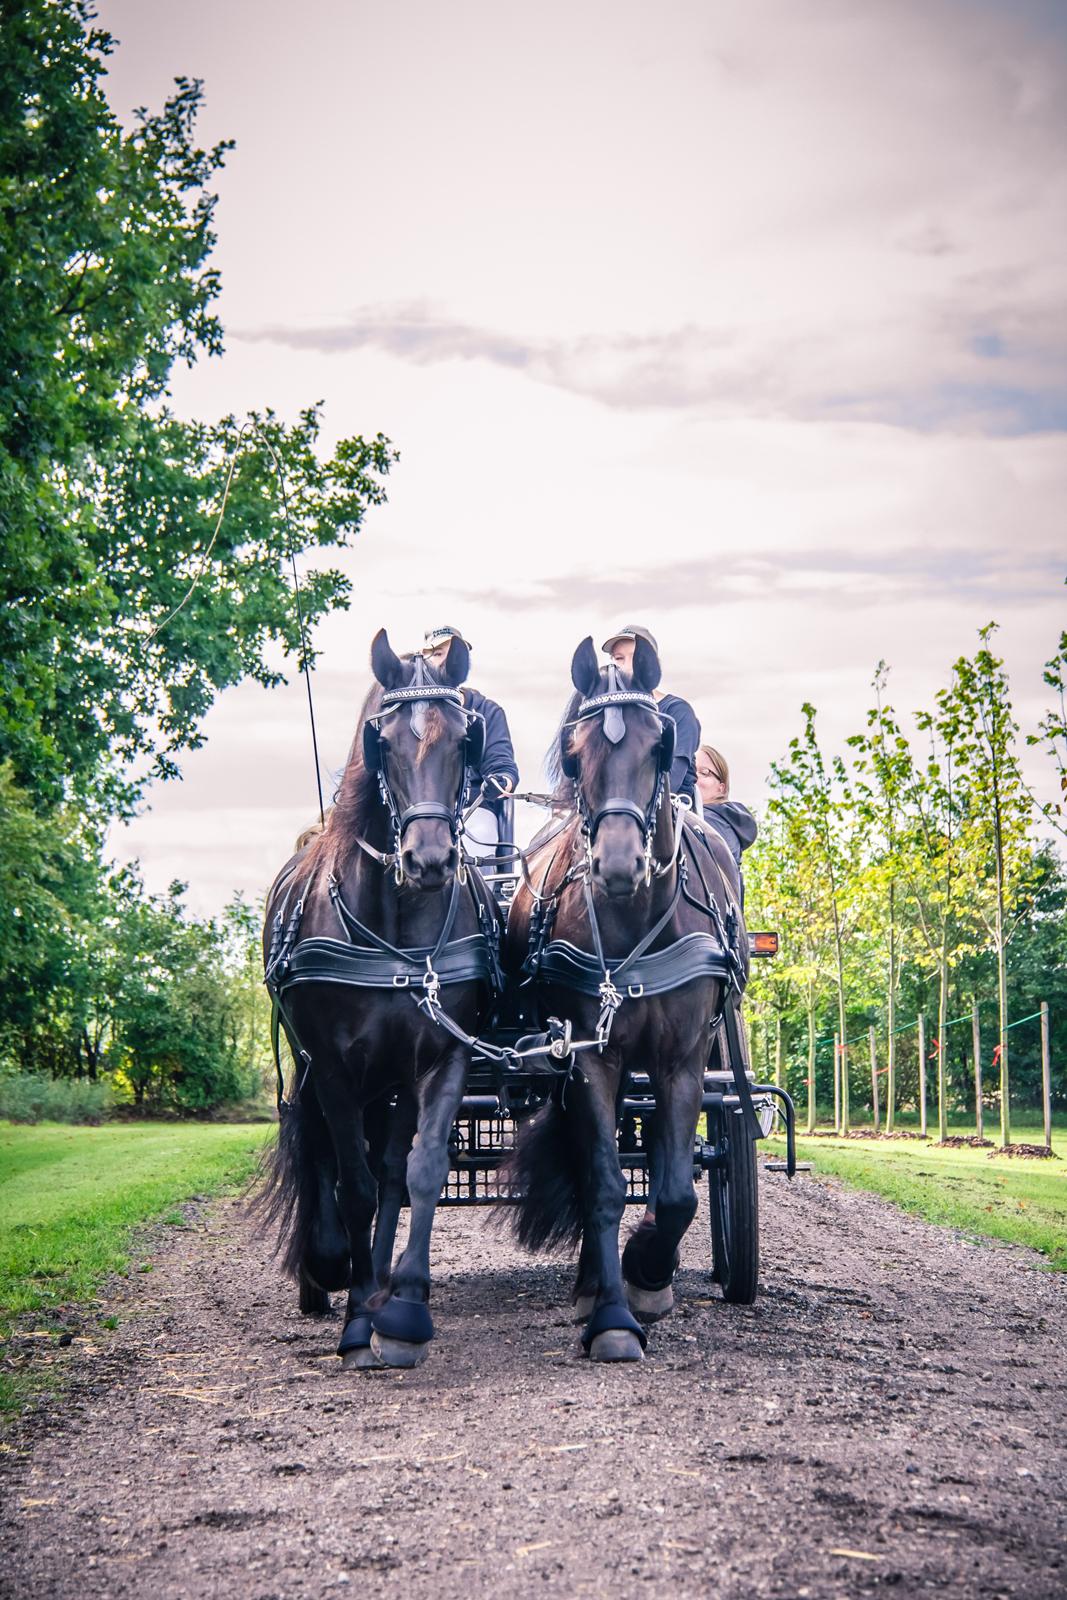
(109, 502)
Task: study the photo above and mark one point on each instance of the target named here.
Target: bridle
(417, 695)
(610, 705)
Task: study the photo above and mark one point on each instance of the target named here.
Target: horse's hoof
(648, 1305)
(397, 1352)
(616, 1344)
(362, 1359)
(583, 1307)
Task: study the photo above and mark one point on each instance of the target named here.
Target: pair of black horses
(380, 1079)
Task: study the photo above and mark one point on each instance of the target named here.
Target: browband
(422, 691)
(614, 697)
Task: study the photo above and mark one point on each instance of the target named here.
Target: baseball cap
(438, 636)
(630, 631)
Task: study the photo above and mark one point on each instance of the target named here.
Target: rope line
(908, 1026)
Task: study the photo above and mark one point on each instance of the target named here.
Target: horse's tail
(542, 1175)
(297, 1196)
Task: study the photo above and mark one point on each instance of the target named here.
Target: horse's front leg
(391, 1184)
(402, 1323)
(651, 1255)
(611, 1333)
(356, 1198)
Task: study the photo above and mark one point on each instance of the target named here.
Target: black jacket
(736, 824)
(686, 743)
(498, 759)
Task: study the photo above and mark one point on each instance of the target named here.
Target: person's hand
(496, 785)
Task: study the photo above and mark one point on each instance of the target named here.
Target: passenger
(620, 647)
(729, 818)
(497, 774)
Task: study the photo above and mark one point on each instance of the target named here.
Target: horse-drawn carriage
(535, 1066)
(503, 1088)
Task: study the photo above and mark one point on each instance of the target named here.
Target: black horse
(366, 922)
(621, 882)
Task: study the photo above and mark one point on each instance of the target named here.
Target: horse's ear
(386, 665)
(456, 665)
(646, 668)
(585, 672)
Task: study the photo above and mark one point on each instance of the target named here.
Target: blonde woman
(729, 818)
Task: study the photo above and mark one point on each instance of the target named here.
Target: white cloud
(788, 276)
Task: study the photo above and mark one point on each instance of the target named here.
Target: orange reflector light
(763, 944)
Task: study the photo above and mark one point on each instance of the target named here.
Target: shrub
(29, 1097)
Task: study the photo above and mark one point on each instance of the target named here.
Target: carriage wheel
(314, 1302)
(734, 1195)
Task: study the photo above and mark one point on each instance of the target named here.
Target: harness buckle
(432, 984)
(610, 998)
(634, 991)
(559, 1043)
(401, 980)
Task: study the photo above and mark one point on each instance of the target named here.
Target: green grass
(1022, 1201)
(71, 1200)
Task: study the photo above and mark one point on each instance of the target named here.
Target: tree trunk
(942, 1042)
(811, 1064)
(841, 1024)
(778, 1049)
(976, 1045)
(891, 1046)
(837, 1083)
(874, 1077)
(1046, 1078)
(1002, 1007)
(922, 1076)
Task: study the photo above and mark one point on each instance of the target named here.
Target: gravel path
(890, 1415)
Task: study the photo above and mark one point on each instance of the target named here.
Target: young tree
(995, 804)
(884, 772)
(932, 852)
(815, 806)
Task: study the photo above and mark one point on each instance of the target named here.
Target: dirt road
(890, 1416)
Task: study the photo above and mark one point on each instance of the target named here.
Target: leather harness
(364, 959)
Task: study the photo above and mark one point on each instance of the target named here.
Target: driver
(620, 647)
(498, 774)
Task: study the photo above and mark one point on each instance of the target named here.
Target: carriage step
(783, 1166)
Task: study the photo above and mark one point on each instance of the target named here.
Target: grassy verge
(1021, 1201)
(71, 1199)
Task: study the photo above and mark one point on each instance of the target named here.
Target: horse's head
(618, 748)
(422, 743)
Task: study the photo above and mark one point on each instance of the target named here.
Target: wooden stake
(837, 1083)
(976, 1046)
(874, 1077)
(1046, 1076)
(922, 1075)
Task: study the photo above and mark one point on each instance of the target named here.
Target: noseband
(416, 696)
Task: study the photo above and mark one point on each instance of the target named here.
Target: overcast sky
(745, 321)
